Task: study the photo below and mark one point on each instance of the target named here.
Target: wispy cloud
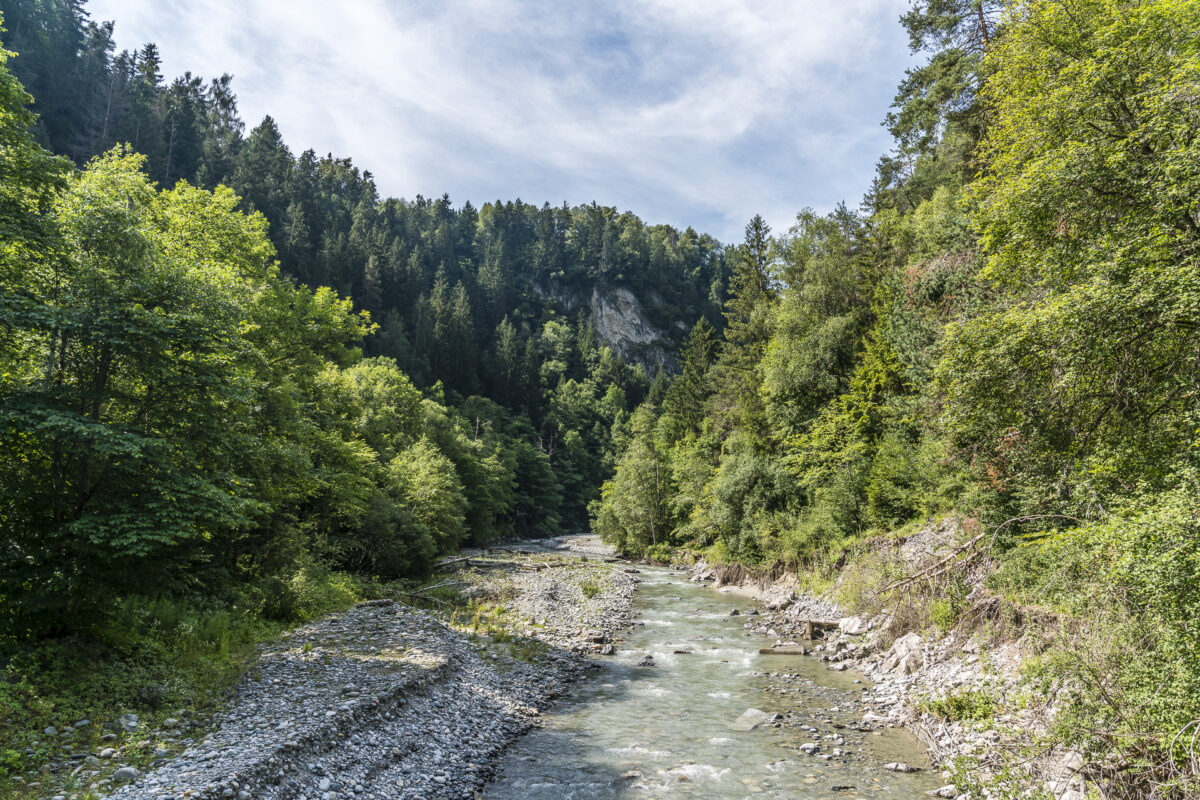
(697, 113)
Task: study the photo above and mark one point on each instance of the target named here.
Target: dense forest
(223, 360)
(1007, 329)
(226, 369)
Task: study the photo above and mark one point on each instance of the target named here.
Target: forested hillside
(1007, 329)
(238, 388)
(501, 302)
(144, 427)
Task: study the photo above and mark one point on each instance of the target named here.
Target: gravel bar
(387, 701)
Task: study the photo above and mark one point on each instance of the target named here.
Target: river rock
(777, 597)
(900, 766)
(751, 719)
(125, 775)
(905, 656)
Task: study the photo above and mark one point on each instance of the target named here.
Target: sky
(688, 112)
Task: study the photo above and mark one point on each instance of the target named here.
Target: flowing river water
(676, 729)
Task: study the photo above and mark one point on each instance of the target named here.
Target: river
(676, 729)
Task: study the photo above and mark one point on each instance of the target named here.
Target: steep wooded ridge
(1000, 345)
(505, 343)
(1003, 341)
(239, 389)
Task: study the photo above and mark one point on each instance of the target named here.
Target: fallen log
(783, 651)
(811, 626)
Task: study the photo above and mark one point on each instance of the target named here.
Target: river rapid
(676, 729)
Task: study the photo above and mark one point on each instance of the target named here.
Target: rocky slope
(960, 692)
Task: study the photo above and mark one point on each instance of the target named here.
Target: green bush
(967, 705)
(660, 553)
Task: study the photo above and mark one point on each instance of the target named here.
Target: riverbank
(689, 707)
(959, 685)
(385, 700)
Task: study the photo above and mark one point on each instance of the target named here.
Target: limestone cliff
(620, 322)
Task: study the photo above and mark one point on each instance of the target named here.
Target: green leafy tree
(1077, 381)
(634, 510)
(431, 489)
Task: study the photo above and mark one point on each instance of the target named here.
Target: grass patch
(152, 657)
(968, 705)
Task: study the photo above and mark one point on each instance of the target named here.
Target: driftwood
(424, 598)
(948, 563)
(782, 651)
(938, 569)
(464, 562)
(418, 595)
(811, 626)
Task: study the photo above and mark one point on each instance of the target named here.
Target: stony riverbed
(390, 701)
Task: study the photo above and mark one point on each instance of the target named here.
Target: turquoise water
(671, 730)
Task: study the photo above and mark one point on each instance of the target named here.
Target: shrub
(967, 705)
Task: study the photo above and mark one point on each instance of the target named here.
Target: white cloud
(701, 112)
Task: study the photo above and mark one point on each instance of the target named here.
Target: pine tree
(508, 357)
(462, 333)
(685, 400)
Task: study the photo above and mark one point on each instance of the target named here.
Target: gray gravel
(386, 701)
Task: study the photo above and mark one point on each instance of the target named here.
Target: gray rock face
(619, 321)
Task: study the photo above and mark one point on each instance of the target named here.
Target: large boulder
(777, 597)
(906, 655)
(854, 626)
